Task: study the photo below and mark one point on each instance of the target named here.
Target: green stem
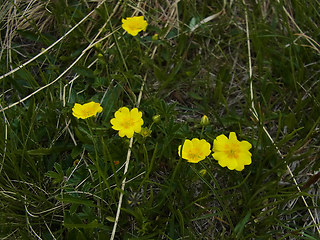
(201, 132)
(216, 194)
(96, 160)
(176, 169)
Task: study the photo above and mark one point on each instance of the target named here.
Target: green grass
(269, 94)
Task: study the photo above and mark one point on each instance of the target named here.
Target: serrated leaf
(58, 168)
(57, 177)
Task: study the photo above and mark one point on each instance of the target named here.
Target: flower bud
(98, 46)
(155, 37)
(203, 172)
(156, 118)
(204, 121)
(75, 162)
(145, 132)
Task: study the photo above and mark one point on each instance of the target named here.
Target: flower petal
(221, 158)
(245, 158)
(179, 150)
(233, 137)
(245, 146)
(135, 114)
(232, 163)
(126, 132)
(121, 112)
(240, 167)
(137, 128)
(220, 142)
(204, 147)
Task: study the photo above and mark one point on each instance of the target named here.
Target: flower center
(193, 155)
(127, 123)
(133, 26)
(85, 112)
(232, 150)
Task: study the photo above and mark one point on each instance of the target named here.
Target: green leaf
(52, 174)
(76, 151)
(240, 226)
(48, 151)
(110, 219)
(136, 214)
(76, 200)
(57, 176)
(68, 223)
(40, 151)
(31, 109)
(193, 22)
(30, 35)
(181, 221)
(83, 135)
(83, 71)
(288, 137)
(58, 168)
(195, 96)
(28, 77)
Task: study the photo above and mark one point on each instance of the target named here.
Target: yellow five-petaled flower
(127, 122)
(231, 153)
(86, 110)
(133, 25)
(194, 150)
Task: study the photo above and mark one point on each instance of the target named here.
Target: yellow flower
(127, 122)
(231, 153)
(194, 150)
(133, 25)
(86, 110)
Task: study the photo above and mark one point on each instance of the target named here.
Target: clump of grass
(252, 68)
